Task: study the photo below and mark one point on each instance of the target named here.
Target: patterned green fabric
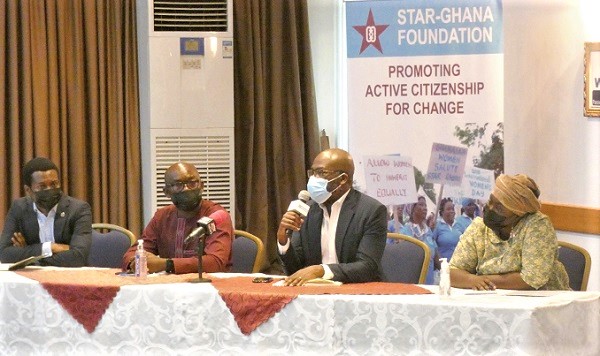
(532, 249)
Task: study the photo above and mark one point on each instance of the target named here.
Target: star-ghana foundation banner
(425, 83)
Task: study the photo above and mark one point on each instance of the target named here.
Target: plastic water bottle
(444, 278)
(141, 264)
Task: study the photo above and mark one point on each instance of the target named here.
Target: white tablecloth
(174, 319)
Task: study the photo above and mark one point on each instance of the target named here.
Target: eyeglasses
(178, 186)
(320, 172)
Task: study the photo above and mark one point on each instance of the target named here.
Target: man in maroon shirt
(165, 234)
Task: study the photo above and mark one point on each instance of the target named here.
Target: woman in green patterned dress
(514, 246)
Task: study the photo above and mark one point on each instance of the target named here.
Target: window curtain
(276, 131)
(68, 82)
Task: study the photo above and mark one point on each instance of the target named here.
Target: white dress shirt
(46, 224)
(328, 230)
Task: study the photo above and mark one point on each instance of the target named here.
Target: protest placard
(446, 164)
(390, 179)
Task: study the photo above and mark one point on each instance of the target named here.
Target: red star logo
(370, 33)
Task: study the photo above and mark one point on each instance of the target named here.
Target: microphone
(206, 225)
(299, 206)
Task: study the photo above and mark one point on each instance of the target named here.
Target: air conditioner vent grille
(190, 16)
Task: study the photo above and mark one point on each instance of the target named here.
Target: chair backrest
(406, 261)
(577, 262)
(247, 252)
(108, 248)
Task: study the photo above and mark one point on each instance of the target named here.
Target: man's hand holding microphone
(292, 220)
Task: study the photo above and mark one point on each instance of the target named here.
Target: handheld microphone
(206, 225)
(299, 206)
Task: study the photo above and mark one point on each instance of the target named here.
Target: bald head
(337, 167)
(181, 172)
(335, 159)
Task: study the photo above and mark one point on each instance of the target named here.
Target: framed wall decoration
(591, 79)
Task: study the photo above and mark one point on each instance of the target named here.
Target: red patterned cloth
(254, 303)
(86, 294)
(86, 305)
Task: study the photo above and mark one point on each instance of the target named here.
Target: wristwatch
(170, 266)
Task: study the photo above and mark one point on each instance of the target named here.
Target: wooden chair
(577, 262)
(247, 252)
(108, 247)
(406, 261)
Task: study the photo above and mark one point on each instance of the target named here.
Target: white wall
(324, 22)
(546, 135)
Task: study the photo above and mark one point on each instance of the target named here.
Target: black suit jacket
(72, 226)
(359, 242)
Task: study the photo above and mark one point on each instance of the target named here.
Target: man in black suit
(46, 221)
(343, 235)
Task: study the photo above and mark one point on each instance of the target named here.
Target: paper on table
(534, 293)
(477, 292)
(313, 282)
(20, 264)
(515, 293)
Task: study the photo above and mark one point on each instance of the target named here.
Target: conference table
(181, 318)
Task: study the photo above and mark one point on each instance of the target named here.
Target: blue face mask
(317, 187)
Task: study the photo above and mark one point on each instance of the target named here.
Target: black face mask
(48, 198)
(493, 220)
(188, 200)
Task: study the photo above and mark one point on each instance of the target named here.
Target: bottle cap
(445, 266)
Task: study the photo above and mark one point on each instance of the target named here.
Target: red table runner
(254, 303)
(86, 294)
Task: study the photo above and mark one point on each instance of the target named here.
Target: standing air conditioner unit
(185, 51)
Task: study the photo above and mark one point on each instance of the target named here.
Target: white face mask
(317, 187)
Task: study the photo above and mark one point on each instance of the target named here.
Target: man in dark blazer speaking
(343, 235)
(46, 221)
